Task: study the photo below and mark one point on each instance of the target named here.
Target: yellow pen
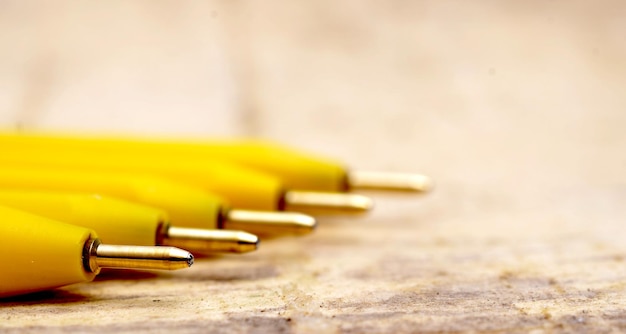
(295, 169)
(185, 205)
(125, 223)
(243, 187)
(38, 254)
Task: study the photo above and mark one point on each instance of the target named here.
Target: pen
(38, 253)
(295, 169)
(243, 187)
(125, 223)
(186, 206)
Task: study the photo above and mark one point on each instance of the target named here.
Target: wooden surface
(516, 109)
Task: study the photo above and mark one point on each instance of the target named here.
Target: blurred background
(429, 84)
(500, 99)
(516, 109)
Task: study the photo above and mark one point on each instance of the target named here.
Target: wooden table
(515, 109)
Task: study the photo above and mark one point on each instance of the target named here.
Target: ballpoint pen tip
(411, 182)
(211, 241)
(269, 222)
(327, 202)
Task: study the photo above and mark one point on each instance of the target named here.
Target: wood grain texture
(515, 109)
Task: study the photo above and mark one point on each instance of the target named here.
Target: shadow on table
(60, 296)
(49, 297)
(125, 274)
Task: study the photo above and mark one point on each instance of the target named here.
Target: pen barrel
(242, 187)
(294, 169)
(184, 204)
(116, 221)
(39, 253)
(136, 257)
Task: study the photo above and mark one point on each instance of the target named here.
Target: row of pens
(71, 205)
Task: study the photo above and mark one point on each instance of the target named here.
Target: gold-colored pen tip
(211, 241)
(389, 181)
(326, 202)
(269, 222)
(136, 257)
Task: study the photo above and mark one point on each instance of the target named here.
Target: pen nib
(211, 241)
(137, 257)
(269, 223)
(389, 181)
(326, 202)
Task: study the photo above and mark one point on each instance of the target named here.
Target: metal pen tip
(136, 257)
(326, 202)
(211, 241)
(269, 222)
(389, 181)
